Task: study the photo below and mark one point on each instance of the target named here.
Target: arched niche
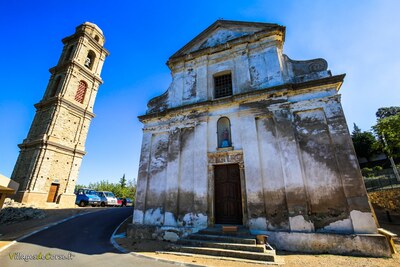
(224, 132)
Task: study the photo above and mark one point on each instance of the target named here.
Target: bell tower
(50, 157)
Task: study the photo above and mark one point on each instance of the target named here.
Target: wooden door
(53, 193)
(228, 196)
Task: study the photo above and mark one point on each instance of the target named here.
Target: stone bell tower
(50, 157)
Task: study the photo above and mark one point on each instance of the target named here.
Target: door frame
(225, 158)
(237, 195)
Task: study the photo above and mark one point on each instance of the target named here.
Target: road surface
(81, 241)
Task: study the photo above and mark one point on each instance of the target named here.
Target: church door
(53, 193)
(228, 197)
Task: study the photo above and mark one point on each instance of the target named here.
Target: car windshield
(91, 192)
(109, 194)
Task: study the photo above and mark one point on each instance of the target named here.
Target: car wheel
(82, 203)
(93, 205)
(102, 204)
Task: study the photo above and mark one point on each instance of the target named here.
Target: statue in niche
(225, 138)
(87, 62)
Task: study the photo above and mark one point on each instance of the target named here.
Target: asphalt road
(81, 241)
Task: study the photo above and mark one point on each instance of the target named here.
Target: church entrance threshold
(227, 194)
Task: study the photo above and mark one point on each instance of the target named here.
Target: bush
(377, 168)
(367, 172)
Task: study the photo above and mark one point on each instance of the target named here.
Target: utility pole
(396, 173)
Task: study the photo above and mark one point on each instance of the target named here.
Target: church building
(244, 135)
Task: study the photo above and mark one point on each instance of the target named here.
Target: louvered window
(80, 93)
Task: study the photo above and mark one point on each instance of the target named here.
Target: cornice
(93, 42)
(65, 103)
(279, 89)
(46, 143)
(73, 64)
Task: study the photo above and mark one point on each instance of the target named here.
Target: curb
(44, 228)
(121, 249)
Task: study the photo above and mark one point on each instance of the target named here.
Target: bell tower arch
(50, 157)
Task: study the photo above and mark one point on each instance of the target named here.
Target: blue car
(86, 197)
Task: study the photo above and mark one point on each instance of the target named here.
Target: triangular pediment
(221, 32)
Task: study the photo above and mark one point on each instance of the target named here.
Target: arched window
(80, 93)
(97, 38)
(224, 132)
(55, 86)
(90, 59)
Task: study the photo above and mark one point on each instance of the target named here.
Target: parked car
(85, 196)
(124, 202)
(129, 202)
(107, 198)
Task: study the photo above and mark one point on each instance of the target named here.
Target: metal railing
(381, 182)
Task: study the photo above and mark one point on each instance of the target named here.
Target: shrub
(367, 172)
(377, 168)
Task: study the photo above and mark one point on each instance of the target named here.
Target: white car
(107, 198)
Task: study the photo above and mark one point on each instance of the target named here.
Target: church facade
(50, 157)
(244, 135)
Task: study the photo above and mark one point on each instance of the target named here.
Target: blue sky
(360, 38)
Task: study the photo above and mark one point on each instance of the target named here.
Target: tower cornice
(93, 42)
(72, 64)
(42, 142)
(66, 103)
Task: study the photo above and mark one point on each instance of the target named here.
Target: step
(223, 239)
(230, 246)
(266, 256)
(242, 232)
(277, 260)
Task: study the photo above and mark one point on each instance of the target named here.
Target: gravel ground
(149, 248)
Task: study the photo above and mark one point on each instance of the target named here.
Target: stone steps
(223, 245)
(242, 232)
(214, 242)
(223, 238)
(228, 253)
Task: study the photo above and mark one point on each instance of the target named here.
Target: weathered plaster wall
(253, 66)
(294, 180)
(172, 188)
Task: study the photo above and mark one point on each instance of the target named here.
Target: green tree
(122, 181)
(79, 186)
(387, 112)
(129, 190)
(364, 142)
(389, 127)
